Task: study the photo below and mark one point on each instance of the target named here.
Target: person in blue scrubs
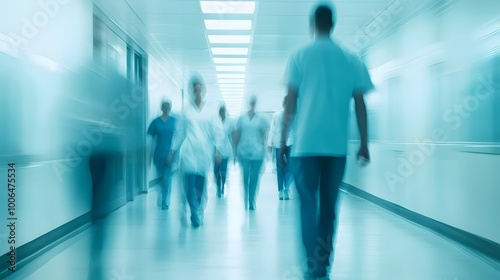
(163, 128)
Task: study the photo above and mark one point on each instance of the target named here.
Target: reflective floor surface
(140, 241)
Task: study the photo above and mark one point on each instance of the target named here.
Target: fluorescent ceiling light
(231, 76)
(233, 101)
(231, 81)
(230, 51)
(227, 7)
(230, 60)
(231, 85)
(230, 68)
(229, 39)
(231, 91)
(228, 24)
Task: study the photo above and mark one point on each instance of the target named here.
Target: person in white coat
(283, 172)
(198, 134)
(220, 169)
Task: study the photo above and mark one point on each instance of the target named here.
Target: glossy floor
(140, 241)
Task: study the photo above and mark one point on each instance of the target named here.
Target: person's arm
(272, 132)
(362, 86)
(236, 137)
(178, 137)
(288, 115)
(150, 142)
(218, 138)
(361, 116)
(293, 81)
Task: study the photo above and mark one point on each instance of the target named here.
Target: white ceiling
(173, 32)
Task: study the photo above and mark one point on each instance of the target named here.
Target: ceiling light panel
(229, 51)
(230, 60)
(229, 39)
(231, 76)
(231, 85)
(235, 98)
(228, 24)
(228, 7)
(231, 81)
(231, 91)
(230, 68)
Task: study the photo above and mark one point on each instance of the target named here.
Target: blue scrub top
(164, 132)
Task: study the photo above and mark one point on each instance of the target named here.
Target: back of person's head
(324, 17)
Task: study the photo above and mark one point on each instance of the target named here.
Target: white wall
(43, 44)
(436, 141)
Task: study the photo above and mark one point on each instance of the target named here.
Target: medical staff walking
(283, 172)
(220, 169)
(322, 80)
(250, 145)
(162, 129)
(198, 134)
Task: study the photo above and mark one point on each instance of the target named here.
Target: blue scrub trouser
(284, 173)
(251, 174)
(220, 172)
(195, 192)
(318, 229)
(165, 173)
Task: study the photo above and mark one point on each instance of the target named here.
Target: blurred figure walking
(283, 172)
(163, 128)
(249, 142)
(322, 78)
(220, 169)
(198, 134)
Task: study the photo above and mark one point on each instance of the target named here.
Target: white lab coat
(227, 147)
(198, 134)
(274, 137)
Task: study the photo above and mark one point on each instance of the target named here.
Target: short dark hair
(324, 18)
(166, 103)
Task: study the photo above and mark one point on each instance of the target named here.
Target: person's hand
(363, 156)
(269, 149)
(283, 160)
